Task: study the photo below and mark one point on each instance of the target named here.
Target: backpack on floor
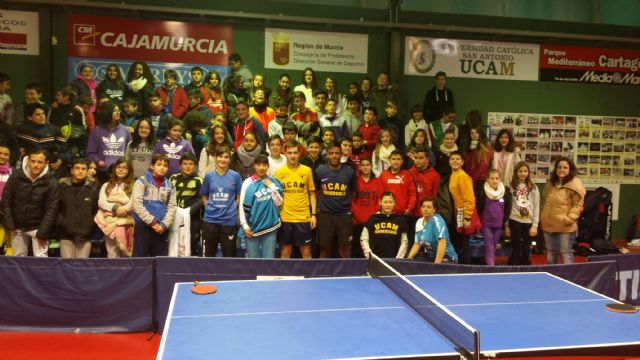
(604, 247)
(595, 220)
(584, 249)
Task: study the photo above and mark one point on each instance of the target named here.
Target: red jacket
(214, 101)
(250, 125)
(402, 187)
(307, 116)
(369, 135)
(179, 101)
(365, 201)
(427, 183)
(477, 170)
(91, 122)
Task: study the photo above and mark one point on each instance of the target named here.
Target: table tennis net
(464, 337)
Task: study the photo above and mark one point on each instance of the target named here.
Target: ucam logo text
(262, 195)
(487, 68)
(218, 196)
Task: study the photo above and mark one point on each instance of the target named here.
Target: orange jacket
(264, 117)
(561, 206)
(461, 188)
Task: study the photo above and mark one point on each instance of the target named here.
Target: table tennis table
(516, 314)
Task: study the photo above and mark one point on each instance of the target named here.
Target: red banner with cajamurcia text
(149, 40)
(100, 41)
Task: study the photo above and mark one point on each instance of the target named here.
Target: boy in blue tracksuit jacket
(260, 199)
(154, 205)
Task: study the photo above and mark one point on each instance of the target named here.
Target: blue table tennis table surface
(359, 317)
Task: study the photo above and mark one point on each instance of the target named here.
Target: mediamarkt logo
(615, 78)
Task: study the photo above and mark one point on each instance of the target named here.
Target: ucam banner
(323, 51)
(472, 59)
(589, 65)
(99, 41)
(19, 33)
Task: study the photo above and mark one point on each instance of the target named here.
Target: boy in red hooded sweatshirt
(402, 185)
(426, 177)
(427, 180)
(365, 202)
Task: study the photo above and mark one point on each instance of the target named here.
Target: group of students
(305, 168)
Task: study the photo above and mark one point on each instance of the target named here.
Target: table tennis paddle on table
(623, 308)
(201, 289)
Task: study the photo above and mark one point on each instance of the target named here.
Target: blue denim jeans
(263, 246)
(559, 243)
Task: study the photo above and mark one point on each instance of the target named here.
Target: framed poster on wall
(604, 148)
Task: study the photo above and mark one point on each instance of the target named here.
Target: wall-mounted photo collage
(608, 147)
(603, 147)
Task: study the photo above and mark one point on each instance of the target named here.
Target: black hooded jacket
(31, 205)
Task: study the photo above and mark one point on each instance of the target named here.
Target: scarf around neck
(137, 84)
(284, 94)
(385, 152)
(446, 151)
(260, 108)
(155, 111)
(494, 194)
(246, 157)
(5, 168)
(91, 85)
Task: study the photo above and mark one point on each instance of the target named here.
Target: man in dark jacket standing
(78, 203)
(30, 204)
(438, 98)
